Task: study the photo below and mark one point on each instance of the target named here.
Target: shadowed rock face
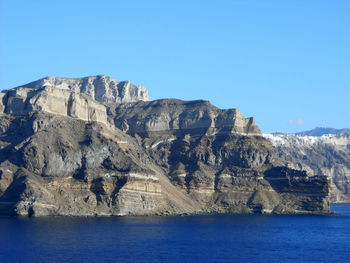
(174, 115)
(66, 166)
(159, 157)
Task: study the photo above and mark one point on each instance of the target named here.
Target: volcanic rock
(83, 147)
(327, 154)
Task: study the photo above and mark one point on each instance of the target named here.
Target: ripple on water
(219, 238)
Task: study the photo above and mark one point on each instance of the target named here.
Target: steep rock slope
(83, 98)
(171, 114)
(328, 154)
(157, 157)
(66, 166)
(102, 88)
(218, 157)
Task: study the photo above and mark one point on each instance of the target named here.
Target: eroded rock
(87, 147)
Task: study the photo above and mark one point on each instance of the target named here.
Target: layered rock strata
(169, 115)
(84, 98)
(165, 157)
(100, 88)
(328, 154)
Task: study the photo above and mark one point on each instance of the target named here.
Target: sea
(212, 238)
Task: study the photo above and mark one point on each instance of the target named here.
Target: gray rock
(101, 88)
(176, 115)
(67, 148)
(84, 98)
(328, 154)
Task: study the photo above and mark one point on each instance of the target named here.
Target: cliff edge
(90, 147)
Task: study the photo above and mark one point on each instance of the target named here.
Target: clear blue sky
(287, 63)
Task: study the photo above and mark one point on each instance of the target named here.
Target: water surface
(220, 238)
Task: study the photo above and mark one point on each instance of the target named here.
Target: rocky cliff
(71, 148)
(327, 154)
(100, 88)
(170, 115)
(84, 98)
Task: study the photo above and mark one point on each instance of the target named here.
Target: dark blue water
(227, 238)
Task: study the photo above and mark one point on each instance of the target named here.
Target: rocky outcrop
(328, 154)
(217, 156)
(77, 155)
(65, 166)
(22, 101)
(84, 98)
(101, 88)
(175, 115)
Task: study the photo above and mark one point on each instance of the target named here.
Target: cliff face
(64, 152)
(55, 165)
(84, 98)
(100, 88)
(21, 101)
(328, 154)
(169, 115)
(218, 157)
